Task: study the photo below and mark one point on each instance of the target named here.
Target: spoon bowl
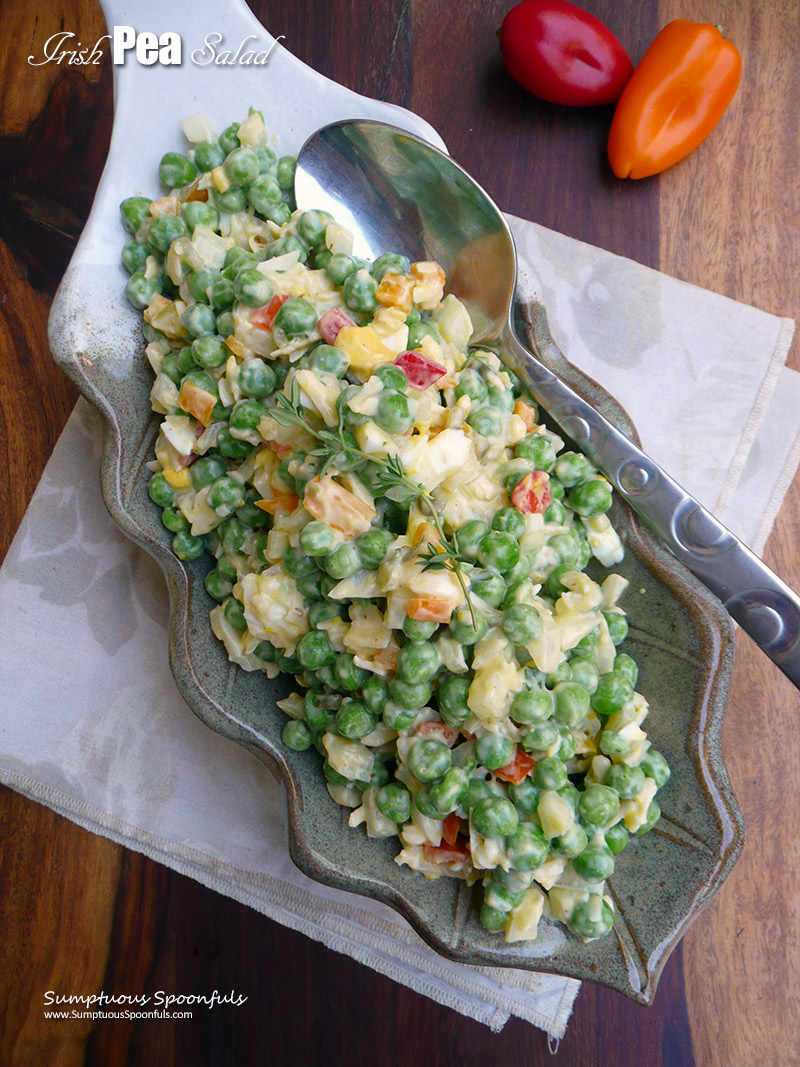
(398, 193)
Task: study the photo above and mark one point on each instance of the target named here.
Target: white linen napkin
(92, 725)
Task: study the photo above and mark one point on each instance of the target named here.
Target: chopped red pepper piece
(455, 853)
(440, 730)
(450, 827)
(265, 316)
(517, 768)
(531, 494)
(331, 322)
(420, 371)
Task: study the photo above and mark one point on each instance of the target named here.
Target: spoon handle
(763, 605)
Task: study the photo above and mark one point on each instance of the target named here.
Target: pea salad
(389, 520)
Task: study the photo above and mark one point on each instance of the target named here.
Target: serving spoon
(397, 193)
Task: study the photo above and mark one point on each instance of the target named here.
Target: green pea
(256, 378)
(571, 843)
(242, 166)
(501, 400)
(613, 692)
(429, 759)
(333, 776)
(498, 550)
(452, 698)
(566, 547)
(164, 230)
(653, 815)
(160, 491)
(555, 512)
(397, 717)
(197, 213)
(187, 547)
(231, 201)
(584, 671)
(249, 514)
(495, 817)
(358, 292)
(134, 210)
(538, 450)
(232, 533)
(627, 781)
(375, 693)
(417, 662)
(354, 720)
(296, 735)
(532, 706)
(471, 384)
(217, 585)
(550, 773)
(624, 664)
(489, 586)
(571, 468)
(566, 749)
(446, 793)
(407, 695)
(252, 288)
(140, 291)
(221, 297)
(476, 791)
(209, 352)
(247, 415)
(267, 160)
(486, 422)
(525, 795)
(296, 318)
(617, 625)
(589, 498)
(468, 538)
(464, 630)
(326, 359)
(390, 261)
(492, 919)
(598, 805)
(229, 138)
(656, 767)
(540, 737)
(285, 172)
(494, 751)
(314, 650)
(594, 864)
(312, 226)
(392, 377)
(225, 496)
(372, 546)
(199, 320)
(343, 562)
(393, 414)
(522, 623)
(297, 564)
(510, 521)
(318, 538)
(186, 362)
(527, 848)
(316, 712)
(208, 155)
(572, 703)
(616, 837)
(394, 801)
(587, 644)
(227, 569)
(134, 255)
(174, 520)
(349, 676)
(612, 743)
(583, 920)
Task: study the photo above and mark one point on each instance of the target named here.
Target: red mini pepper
(562, 54)
(677, 95)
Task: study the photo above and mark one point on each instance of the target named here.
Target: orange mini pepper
(677, 95)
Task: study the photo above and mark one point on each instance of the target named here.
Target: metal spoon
(397, 193)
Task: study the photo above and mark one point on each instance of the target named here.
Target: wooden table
(80, 913)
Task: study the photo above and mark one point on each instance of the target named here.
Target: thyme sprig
(391, 477)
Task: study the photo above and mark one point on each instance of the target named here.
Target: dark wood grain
(78, 913)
